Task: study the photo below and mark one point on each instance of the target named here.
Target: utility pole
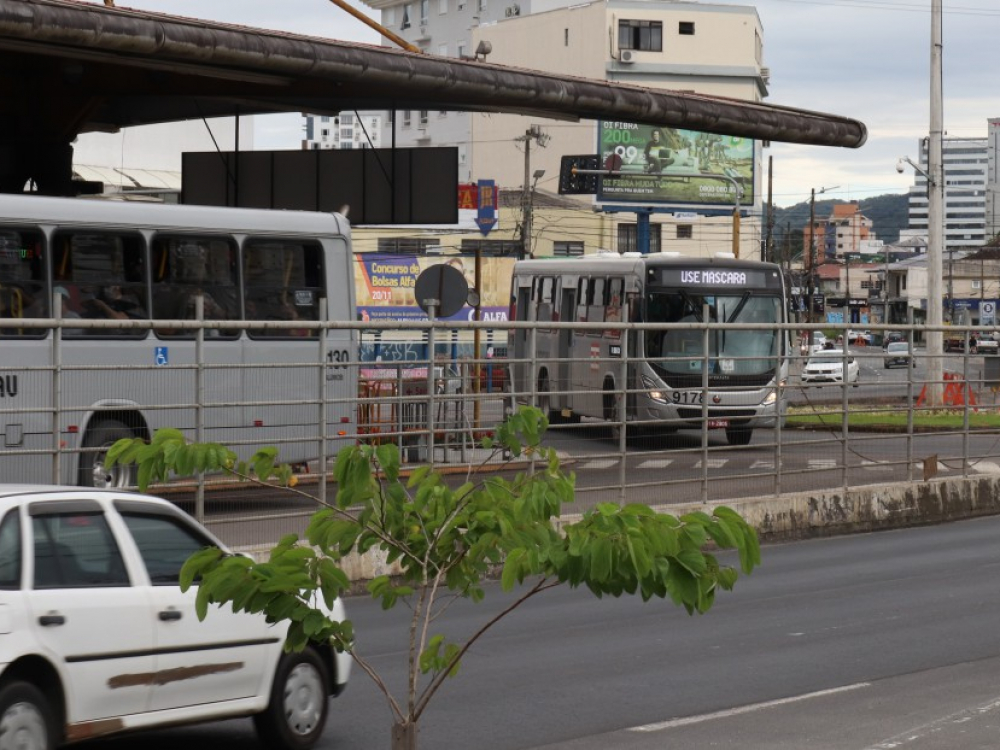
(769, 253)
(533, 133)
(935, 218)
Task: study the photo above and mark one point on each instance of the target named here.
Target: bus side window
(101, 276)
(186, 266)
(22, 281)
(597, 300)
(283, 280)
(582, 289)
(546, 296)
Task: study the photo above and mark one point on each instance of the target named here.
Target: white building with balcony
(348, 130)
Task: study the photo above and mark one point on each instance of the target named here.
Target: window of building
(567, 249)
(627, 238)
(482, 4)
(325, 132)
(424, 11)
(685, 28)
(346, 133)
(495, 248)
(685, 231)
(405, 245)
(347, 119)
(324, 118)
(443, 50)
(565, 37)
(442, 6)
(977, 284)
(640, 35)
(406, 17)
(460, 50)
(423, 116)
(407, 118)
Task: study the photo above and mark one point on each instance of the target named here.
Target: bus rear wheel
(739, 435)
(93, 469)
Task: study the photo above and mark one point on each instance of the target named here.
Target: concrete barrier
(801, 515)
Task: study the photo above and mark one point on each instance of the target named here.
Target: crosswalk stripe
(655, 463)
(604, 464)
(713, 463)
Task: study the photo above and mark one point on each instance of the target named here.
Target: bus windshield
(731, 352)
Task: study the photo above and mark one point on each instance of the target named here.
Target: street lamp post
(810, 266)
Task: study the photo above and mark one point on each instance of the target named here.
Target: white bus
(671, 380)
(141, 261)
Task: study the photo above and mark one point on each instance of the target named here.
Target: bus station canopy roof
(68, 67)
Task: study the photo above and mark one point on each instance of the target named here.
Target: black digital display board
(380, 186)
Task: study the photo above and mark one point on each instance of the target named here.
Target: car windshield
(830, 358)
(901, 347)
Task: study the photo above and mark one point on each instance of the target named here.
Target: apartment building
(344, 131)
(690, 46)
(965, 162)
(845, 231)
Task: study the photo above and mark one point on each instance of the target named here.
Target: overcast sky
(864, 59)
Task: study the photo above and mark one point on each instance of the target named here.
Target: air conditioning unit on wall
(626, 56)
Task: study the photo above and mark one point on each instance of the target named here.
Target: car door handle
(169, 615)
(48, 620)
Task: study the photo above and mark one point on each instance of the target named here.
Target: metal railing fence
(431, 394)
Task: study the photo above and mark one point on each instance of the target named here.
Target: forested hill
(887, 212)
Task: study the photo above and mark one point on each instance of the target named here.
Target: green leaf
(512, 569)
(600, 559)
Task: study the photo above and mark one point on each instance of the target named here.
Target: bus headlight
(654, 391)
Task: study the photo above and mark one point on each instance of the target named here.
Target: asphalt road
(869, 641)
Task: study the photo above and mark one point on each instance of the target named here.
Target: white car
(828, 367)
(97, 638)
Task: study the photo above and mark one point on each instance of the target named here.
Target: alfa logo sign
(987, 313)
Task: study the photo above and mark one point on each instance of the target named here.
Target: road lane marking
(924, 730)
(822, 463)
(769, 465)
(687, 720)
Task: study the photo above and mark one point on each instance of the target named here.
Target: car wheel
(93, 471)
(300, 701)
(25, 718)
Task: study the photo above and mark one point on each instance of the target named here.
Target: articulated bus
(671, 379)
(140, 261)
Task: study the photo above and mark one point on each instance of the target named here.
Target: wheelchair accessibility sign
(161, 357)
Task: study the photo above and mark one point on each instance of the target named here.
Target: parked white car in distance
(97, 638)
(827, 366)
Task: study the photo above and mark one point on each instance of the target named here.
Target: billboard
(384, 285)
(666, 165)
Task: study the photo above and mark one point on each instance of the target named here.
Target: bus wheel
(611, 411)
(545, 398)
(739, 435)
(93, 472)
